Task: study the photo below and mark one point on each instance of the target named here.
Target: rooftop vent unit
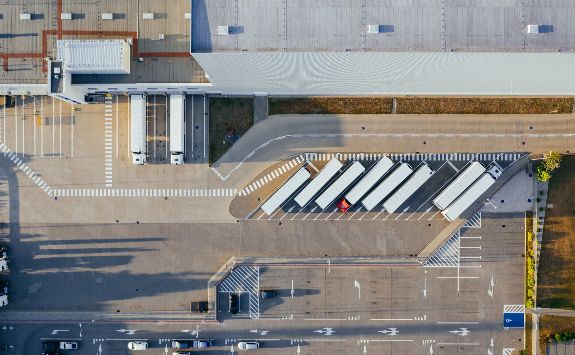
(107, 16)
(65, 16)
(25, 16)
(223, 30)
(372, 29)
(148, 16)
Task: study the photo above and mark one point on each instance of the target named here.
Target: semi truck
(138, 129)
(338, 187)
(288, 189)
(366, 183)
(459, 185)
(387, 186)
(421, 175)
(320, 180)
(177, 128)
(474, 192)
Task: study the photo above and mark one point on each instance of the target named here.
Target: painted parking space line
(161, 193)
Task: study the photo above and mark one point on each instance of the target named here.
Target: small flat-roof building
(95, 56)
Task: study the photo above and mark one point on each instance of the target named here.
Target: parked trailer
(338, 187)
(322, 178)
(284, 192)
(369, 180)
(138, 129)
(421, 175)
(177, 128)
(459, 185)
(464, 201)
(387, 186)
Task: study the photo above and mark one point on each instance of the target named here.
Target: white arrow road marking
(127, 331)
(356, 285)
(389, 331)
(298, 349)
(425, 287)
(491, 287)
(325, 331)
(365, 349)
(461, 331)
(56, 331)
(431, 349)
(292, 290)
(232, 349)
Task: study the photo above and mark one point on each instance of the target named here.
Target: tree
(552, 160)
(542, 174)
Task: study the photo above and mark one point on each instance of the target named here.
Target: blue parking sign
(514, 320)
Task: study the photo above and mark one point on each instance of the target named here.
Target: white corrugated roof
(391, 73)
(94, 56)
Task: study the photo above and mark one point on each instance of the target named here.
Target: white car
(3, 300)
(68, 345)
(138, 345)
(248, 345)
(3, 265)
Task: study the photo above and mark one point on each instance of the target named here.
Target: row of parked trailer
(391, 183)
(139, 129)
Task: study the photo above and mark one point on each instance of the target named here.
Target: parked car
(180, 344)
(3, 300)
(199, 307)
(3, 286)
(3, 265)
(68, 345)
(138, 345)
(234, 303)
(202, 343)
(248, 345)
(3, 252)
(268, 293)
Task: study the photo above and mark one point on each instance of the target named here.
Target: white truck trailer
(337, 188)
(466, 199)
(284, 192)
(421, 175)
(459, 185)
(322, 178)
(369, 180)
(138, 129)
(387, 186)
(177, 128)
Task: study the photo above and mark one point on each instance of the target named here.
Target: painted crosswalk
(416, 156)
(108, 141)
(272, 175)
(244, 279)
(474, 221)
(35, 177)
(116, 192)
(448, 255)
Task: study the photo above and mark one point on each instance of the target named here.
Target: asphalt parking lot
(417, 209)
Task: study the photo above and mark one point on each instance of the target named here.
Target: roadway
(280, 136)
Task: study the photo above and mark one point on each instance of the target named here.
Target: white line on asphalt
(470, 237)
(60, 120)
(453, 166)
(53, 128)
(205, 123)
(380, 212)
(16, 124)
(390, 340)
(34, 126)
(457, 277)
(479, 247)
(72, 130)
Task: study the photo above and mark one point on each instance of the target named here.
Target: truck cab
(177, 158)
(138, 158)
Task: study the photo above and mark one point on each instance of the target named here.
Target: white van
(138, 345)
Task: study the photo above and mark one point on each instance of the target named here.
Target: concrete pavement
(281, 136)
